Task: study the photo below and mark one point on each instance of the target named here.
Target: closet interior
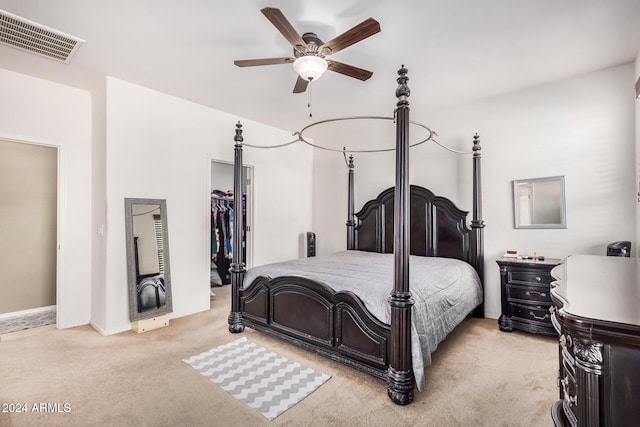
(223, 214)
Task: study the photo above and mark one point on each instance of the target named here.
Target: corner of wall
(637, 146)
(98, 206)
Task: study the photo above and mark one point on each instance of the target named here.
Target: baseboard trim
(26, 312)
(98, 328)
(491, 315)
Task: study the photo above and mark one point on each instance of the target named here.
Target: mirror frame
(563, 204)
(134, 315)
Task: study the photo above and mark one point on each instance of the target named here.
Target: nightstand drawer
(525, 295)
(530, 313)
(529, 294)
(529, 277)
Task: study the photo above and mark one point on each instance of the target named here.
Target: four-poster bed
(303, 303)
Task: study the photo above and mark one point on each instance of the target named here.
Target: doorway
(223, 213)
(28, 231)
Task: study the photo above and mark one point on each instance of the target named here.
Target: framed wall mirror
(539, 203)
(148, 269)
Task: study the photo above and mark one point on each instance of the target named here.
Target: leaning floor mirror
(147, 258)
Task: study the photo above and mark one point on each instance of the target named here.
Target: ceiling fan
(310, 53)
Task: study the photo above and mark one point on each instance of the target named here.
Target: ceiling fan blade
(301, 85)
(360, 32)
(349, 70)
(263, 61)
(284, 26)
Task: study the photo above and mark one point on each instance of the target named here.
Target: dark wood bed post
(477, 224)
(351, 222)
(238, 269)
(401, 381)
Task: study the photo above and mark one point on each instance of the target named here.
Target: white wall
(581, 128)
(159, 146)
(373, 173)
(40, 111)
(99, 204)
(637, 171)
(222, 176)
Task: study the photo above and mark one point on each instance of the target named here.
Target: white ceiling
(456, 50)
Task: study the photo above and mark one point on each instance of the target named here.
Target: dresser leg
(557, 415)
(504, 323)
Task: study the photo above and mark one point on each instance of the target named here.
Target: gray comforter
(445, 290)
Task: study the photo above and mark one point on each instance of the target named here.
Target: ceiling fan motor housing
(312, 48)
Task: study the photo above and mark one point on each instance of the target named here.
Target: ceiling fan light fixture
(310, 67)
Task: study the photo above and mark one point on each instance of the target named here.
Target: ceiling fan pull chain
(309, 99)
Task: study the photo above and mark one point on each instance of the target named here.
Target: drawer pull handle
(545, 317)
(536, 293)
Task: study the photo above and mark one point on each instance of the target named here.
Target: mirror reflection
(147, 258)
(539, 203)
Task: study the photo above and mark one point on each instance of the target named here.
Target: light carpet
(479, 377)
(265, 381)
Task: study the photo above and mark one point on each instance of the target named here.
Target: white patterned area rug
(264, 380)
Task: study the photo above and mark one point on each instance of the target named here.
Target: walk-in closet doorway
(29, 235)
(223, 214)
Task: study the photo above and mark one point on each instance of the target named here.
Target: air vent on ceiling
(36, 38)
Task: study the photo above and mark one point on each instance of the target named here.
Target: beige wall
(28, 177)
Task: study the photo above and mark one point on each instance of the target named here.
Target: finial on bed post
(477, 224)
(400, 377)
(237, 269)
(351, 223)
(403, 91)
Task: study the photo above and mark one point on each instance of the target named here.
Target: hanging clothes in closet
(221, 234)
(222, 219)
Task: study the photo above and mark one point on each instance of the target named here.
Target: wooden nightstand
(525, 293)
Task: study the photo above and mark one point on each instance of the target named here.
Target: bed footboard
(311, 315)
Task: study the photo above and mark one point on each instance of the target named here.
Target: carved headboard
(438, 227)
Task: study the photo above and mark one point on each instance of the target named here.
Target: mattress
(444, 290)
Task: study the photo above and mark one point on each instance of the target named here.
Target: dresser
(596, 312)
(525, 295)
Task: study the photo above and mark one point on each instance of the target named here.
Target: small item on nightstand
(510, 254)
(535, 257)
